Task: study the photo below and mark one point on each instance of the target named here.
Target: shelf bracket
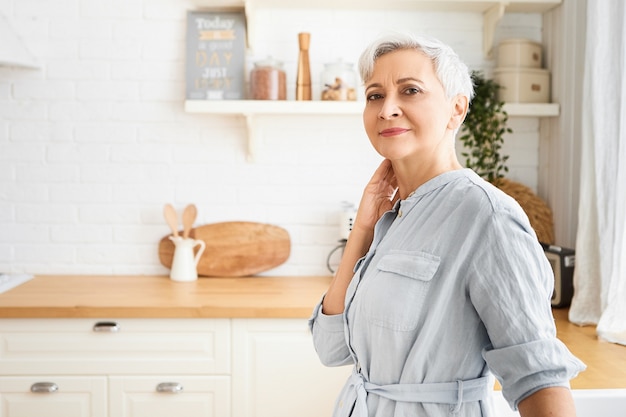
(251, 20)
(491, 18)
(252, 137)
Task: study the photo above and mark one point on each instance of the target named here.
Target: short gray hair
(453, 74)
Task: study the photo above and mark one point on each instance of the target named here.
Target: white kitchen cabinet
(164, 367)
(169, 395)
(129, 367)
(276, 372)
(114, 347)
(58, 396)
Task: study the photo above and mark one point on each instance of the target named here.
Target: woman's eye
(412, 90)
(374, 96)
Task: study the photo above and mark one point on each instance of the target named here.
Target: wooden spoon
(189, 217)
(170, 217)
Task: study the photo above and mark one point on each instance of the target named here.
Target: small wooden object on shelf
(303, 82)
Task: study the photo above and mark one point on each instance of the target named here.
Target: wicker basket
(536, 209)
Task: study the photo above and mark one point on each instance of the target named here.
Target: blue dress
(454, 289)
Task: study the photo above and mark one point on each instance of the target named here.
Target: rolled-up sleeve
(525, 369)
(329, 337)
(511, 292)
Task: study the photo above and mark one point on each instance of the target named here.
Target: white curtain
(600, 272)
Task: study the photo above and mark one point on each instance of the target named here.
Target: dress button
(400, 213)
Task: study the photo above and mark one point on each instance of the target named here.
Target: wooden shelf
(251, 109)
(532, 109)
(517, 6)
(492, 10)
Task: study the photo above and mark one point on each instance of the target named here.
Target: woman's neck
(412, 174)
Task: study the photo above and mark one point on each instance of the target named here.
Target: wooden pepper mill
(303, 81)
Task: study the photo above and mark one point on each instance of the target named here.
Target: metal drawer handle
(171, 387)
(44, 387)
(106, 326)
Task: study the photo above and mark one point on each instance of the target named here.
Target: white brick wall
(94, 143)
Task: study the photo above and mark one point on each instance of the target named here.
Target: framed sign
(216, 50)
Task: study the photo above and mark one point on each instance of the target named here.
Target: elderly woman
(443, 282)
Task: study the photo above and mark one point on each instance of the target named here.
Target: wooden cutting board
(235, 249)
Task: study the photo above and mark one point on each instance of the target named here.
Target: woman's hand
(378, 197)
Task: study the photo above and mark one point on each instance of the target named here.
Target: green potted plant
(482, 135)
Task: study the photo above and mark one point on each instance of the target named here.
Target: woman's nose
(389, 110)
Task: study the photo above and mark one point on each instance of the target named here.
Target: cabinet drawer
(119, 346)
(67, 397)
(189, 396)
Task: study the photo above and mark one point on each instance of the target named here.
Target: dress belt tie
(456, 393)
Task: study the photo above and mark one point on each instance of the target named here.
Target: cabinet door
(55, 396)
(114, 346)
(276, 372)
(167, 396)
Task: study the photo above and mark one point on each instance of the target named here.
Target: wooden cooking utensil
(189, 217)
(235, 249)
(170, 217)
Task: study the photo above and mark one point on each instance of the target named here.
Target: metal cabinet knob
(106, 326)
(44, 387)
(171, 387)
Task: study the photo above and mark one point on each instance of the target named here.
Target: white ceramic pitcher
(184, 265)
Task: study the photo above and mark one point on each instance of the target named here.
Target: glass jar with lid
(268, 80)
(339, 81)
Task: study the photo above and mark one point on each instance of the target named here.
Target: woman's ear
(460, 105)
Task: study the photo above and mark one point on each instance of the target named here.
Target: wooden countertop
(606, 362)
(252, 297)
(141, 296)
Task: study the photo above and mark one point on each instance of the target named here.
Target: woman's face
(407, 112)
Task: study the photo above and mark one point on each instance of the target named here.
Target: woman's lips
(394, 131)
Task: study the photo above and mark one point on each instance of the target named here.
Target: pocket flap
(418, 265)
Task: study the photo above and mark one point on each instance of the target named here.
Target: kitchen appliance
(562, 261)
(346, 221)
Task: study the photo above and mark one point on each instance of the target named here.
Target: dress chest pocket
(396, 292)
